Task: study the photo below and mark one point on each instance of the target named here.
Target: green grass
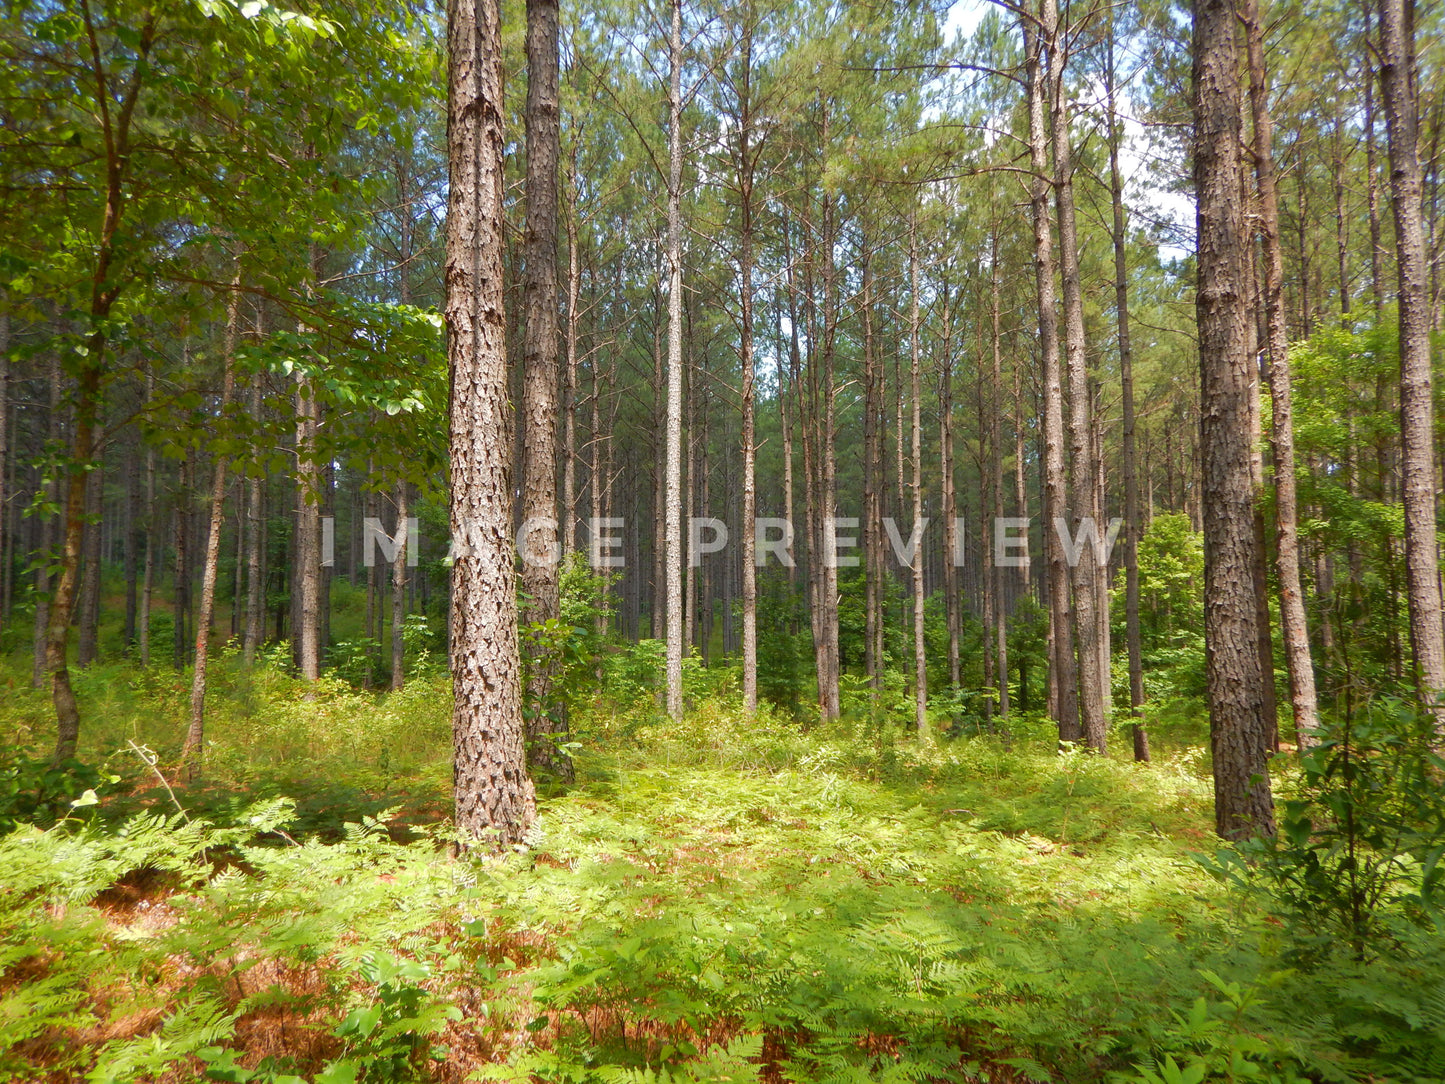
(714, 900)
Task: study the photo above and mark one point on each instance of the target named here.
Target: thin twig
(150, 762)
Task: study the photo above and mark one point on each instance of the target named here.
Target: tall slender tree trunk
(1126, 381)
(1021, 492)
(152, 554)
(827, 446)
(745, 164)
(1342, 235)
(47, 530)
(238, 581)
(1372, 182)
(569, 387)
(307, 573)
(659, 471)
(57, 629)
(493, 795)
(192, 751)
(674, 555)
(873, 482)
(1239, 732)
(920, 656)
(7, 458)
(539, 377)
(87, 648)
(1063, 670)
(995, 476)
(596, 484)
(1417, 413)
(1093, 718)
(132, 532)
(787, 389)
(952, 600)
(105, 291)
(1293, 622)
(399, 565)
(983, 460)
(256, 548)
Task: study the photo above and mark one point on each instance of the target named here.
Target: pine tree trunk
(256, 548)
(87, 649)
(596, 487)
(1021, 492)
(47, 530)
(985, 547)
(1126, 381)
(995, 585)
(181, 593)
(695, 562)
(674, 552)
(1063, 670)
(1239, 731)
(192, 752)
(494, 798)
(132, 532)
(951, 595)
(1372, 186)
(920, 656)
(810, 423)
(659, 473)
(569, 388)
(1093, 719)
(152, 555)
(827, 447)
(7, 459)
(539, 362)
(307, 608)
(745, 164)
(787, 389)
(1417, 414)
(57, 628)
(398, 589)
(1293, 624)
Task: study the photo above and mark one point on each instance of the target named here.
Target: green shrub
(1362, 838)
(36, 790)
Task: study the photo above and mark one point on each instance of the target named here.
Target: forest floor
(715, 900)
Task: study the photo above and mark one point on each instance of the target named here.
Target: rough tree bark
(539, 371)
(674, 555)
(746, 162)
(1062, 669)
(920, 656)
(995, 584)
(492, 792)
(1239, 732)
(952, 602)
(569, 386)
(873, 481)
(1417, 414)
(1093, 718)
(1293, 624)
(1126, 382)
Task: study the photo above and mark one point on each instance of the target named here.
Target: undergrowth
(716, 900)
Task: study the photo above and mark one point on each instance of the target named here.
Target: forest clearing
(757, 542)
